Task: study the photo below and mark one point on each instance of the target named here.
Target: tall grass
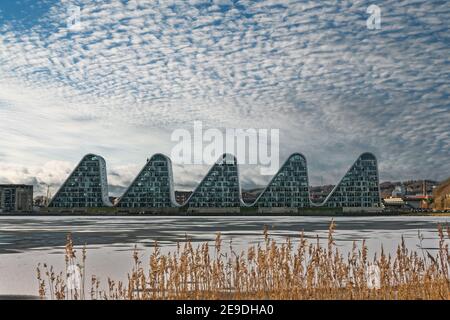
(270, 270)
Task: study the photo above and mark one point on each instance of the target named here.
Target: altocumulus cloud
(136, 70)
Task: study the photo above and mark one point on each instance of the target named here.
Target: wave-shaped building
(153, 187)
(289, 188)
(220, 191)
(359, 188)
(86, 186)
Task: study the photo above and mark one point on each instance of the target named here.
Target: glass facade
(86, 186)
(289, 188)
(220, 188)
(7, 199)
(16, 197)
(153, 187)
(359, 187)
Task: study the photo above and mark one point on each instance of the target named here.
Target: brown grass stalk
(268, 271)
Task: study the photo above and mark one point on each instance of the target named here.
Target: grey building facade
(16, 198)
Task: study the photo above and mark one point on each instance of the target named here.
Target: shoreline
(231, 214)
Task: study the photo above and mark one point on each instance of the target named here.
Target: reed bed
(269, 270)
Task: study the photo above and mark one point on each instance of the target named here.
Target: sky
(134, 71)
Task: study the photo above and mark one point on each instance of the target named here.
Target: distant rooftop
(16, 186)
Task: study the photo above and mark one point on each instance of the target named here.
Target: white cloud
(312, 69)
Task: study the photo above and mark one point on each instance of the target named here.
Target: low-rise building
(16, 198)
(392, 202)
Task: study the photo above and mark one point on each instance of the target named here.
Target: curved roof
(280, 171)
(145, 168)
(287, 187)
(363, 156)
(226, 157)
(102, 164)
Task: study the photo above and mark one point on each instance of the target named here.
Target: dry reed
(267, 271)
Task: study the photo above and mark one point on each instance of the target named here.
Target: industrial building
(220, 190)
(16, 198)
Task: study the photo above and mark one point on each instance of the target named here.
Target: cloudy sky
(133, 71)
